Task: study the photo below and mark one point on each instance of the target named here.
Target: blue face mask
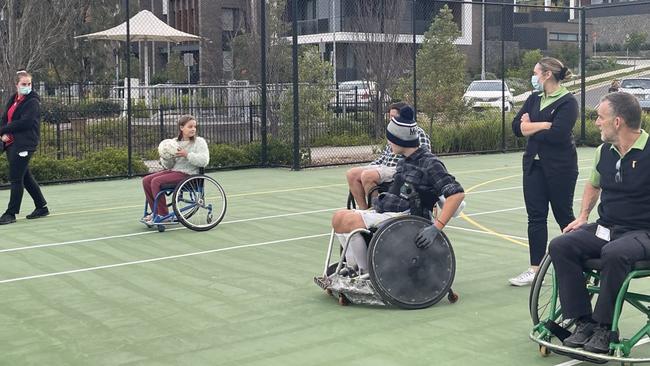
(537, 86)
(24, 90)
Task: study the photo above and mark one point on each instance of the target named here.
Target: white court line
(483, 232)
(157, 259)
(575, 362)
(153, 232)
(508, 188)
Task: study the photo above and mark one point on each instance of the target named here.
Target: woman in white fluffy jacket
(192, 153)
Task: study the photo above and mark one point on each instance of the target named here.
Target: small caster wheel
(343, 301)
(452, 297)
(161, 228)
(544, 351)
(328, 292)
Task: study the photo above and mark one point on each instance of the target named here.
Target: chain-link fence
(303, 83)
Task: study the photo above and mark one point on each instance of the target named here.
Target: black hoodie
(25, 123)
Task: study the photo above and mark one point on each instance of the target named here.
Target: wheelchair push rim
(405, 275)
(199, 203)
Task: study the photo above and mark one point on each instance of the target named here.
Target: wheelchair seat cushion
(167, 186)
(597, 264)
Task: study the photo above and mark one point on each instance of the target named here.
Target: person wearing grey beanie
(419, 182)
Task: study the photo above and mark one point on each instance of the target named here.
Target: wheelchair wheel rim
(199, 203)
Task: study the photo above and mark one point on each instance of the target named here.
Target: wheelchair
(381, 187)
(550, 328)
(198, 202)
(400, 274)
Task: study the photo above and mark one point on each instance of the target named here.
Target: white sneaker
(524, 279)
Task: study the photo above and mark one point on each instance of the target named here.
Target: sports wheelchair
(381, 187)
(198, 202)
(550, 328)
(400, 274)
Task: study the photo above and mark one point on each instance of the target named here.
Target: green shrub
(54, 111)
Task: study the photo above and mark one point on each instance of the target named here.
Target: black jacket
(25, 124)
(555, 146)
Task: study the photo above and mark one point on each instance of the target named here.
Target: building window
(563, 37)
(228, 19)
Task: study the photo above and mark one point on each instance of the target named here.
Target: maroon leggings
(152, 182)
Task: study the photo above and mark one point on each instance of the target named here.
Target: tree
(440, 70)
(380, 55)
(528, 61)
(247, 54)
(31, 31)
(635, 40)
(315, 77)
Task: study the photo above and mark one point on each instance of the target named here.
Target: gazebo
(143, 27)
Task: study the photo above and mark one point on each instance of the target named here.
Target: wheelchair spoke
(200, 203)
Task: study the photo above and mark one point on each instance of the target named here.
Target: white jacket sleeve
(200, 155)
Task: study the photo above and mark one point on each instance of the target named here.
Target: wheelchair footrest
(582, 355)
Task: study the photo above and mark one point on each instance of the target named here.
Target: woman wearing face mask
(550, 163)
(20, 133)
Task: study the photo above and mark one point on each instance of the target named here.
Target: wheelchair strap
(557, 330)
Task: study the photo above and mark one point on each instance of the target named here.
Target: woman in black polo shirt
(550, 162)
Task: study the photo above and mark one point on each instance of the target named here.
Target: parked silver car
(640, 88)
(487, 94)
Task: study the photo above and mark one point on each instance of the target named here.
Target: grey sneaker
(524, 279)
(584, 331)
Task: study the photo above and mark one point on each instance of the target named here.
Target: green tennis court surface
(90, 285)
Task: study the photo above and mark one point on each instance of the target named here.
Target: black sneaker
(7, 219)
(39, 212)
(599, 342)
(584, 330)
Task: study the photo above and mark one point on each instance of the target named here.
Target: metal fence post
(162, 122)
(415, 51)
(296, 116)
(503, 76)
(59, 153)
(250, 120)
(128, 92)
(263, 77)
(583, 69)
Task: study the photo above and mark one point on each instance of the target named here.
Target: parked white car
(355, 95)
(487, 94)
(640, 88)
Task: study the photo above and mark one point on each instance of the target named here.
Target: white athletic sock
(360, 251)
(349, 257)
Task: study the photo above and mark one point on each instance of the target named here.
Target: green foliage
(473, 132)
(592, 133)
(106, 163)
(525, 66)
(278, 153)
(314, 95)
(174, 71)
(56, 111)
(635, 40)
(568, 54)
(440, 70)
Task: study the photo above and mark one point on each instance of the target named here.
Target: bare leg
(356, 187)
(369, 179)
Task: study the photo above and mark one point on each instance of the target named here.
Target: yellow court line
(482, 227)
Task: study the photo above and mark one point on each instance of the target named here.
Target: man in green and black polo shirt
(620, 236)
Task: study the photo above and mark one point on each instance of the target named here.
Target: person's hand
(574, 225)
(181, 153)
(5, 138)
(525, 118)
(426, 237)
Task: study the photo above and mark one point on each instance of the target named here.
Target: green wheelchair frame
(545, 306)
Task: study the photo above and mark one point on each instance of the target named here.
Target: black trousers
(21, 179)
(570, 250)
(539, 191)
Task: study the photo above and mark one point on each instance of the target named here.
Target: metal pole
(162, 122)
(294, 57)
(333, 26)
(128, 91)
(503, 81)
(263, 77)
(415, 51)
(483, 40)
(583, 91)
(250, 120)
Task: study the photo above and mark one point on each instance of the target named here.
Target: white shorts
(386, 173)
(372, 218)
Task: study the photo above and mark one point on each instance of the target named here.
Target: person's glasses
(618, 178)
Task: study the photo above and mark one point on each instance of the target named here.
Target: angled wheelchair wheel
(405, 275)
(544, 302)
(199, 202)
